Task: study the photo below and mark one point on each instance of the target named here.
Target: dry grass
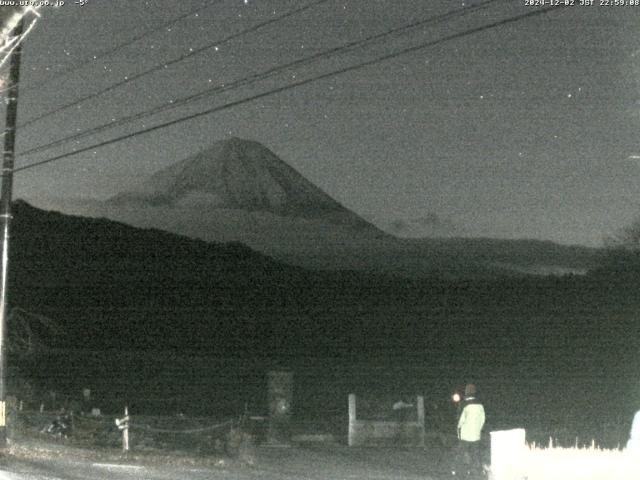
(590, 463)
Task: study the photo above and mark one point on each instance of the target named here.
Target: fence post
(125, 431)
(352, 419)
(123, 424)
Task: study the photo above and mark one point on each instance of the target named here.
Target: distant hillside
(112, 284)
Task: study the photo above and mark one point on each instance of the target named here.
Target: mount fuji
(240, 175)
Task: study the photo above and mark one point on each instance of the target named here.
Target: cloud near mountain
(430, 225)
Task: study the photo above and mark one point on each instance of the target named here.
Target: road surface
(326, 462)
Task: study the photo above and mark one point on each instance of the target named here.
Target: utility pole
(5, 217)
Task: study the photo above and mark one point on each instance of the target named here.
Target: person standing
(468, 461)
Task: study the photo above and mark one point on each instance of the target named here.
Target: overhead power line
(162, 66)
(300, 83)
(118, 47)
(260, 76)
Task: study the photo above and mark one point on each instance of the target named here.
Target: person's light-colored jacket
(471, 421)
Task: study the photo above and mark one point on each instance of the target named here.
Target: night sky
(526, 130)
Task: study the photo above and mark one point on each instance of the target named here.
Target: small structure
(408, 430)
